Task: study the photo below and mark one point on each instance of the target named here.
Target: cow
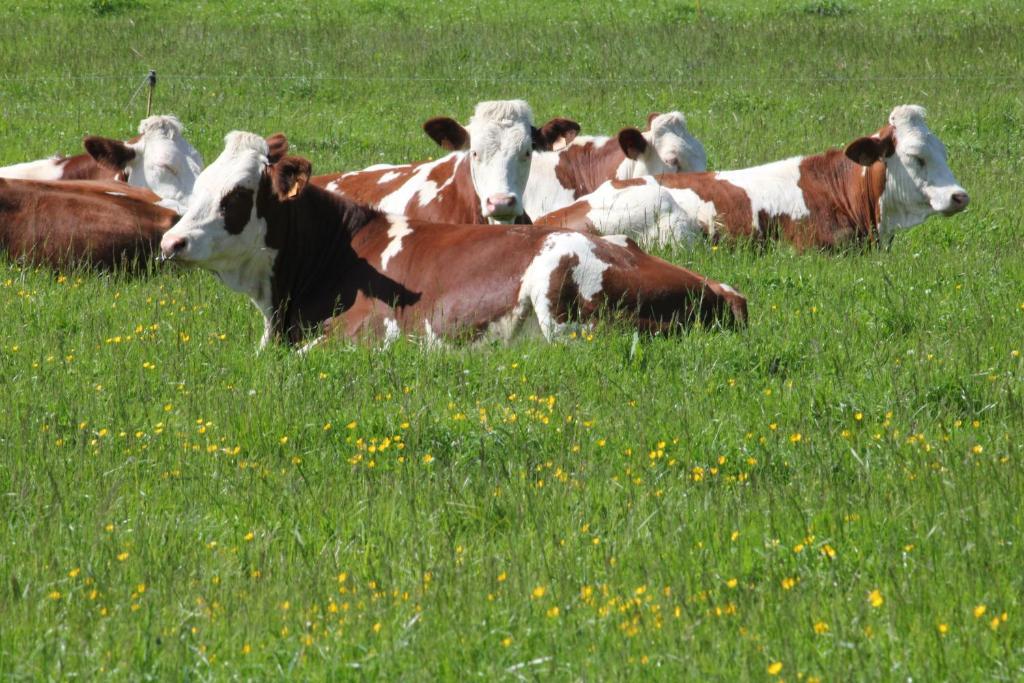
(305, 255)
(863, 194)
(159, 159)
(102, 224)
(560, 177)
(482, 180)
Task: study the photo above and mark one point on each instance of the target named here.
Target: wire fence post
(151, 79)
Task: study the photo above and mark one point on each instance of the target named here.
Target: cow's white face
(220, 229)
(918, 181)
(499, 142)
(160, 159)
(666, 147)
(164, 160)
(918, 174)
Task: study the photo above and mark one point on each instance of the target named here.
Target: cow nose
(169, 246)
(500, 204)
(960, 200)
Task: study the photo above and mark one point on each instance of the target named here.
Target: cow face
(500, 139)
(221, 229)
(160, 159)
(918, 182)
(666, 147)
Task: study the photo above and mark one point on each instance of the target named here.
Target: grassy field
(831, 494)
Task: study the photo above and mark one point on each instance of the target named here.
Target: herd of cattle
(517, 228)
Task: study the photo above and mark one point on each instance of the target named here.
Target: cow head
(918, 181)
(160, 159)
(665, 147)
(221, 229)
(500, 139)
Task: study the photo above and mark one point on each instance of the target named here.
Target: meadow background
(832, 494)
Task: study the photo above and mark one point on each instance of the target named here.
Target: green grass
(656, 493)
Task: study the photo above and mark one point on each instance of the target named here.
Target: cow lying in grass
(159, 159)
(880, 184)
(560, 177)
(101, 224)
(481, 181)
(305, 255)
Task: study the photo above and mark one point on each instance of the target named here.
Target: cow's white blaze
(243, 261)
(500, 149)
(671, 148)
(164, 160)
(919, 182)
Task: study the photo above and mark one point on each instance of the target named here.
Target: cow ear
(277, 145)
(867, 150)
(112, 154)
(554, 135)
(632, 142)
(650, 118)
(448, 133)
(289, 177)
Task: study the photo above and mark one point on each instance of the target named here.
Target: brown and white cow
(159, 159)
(882, 183)
(81, 223)
(481, 181)
(305, 255)
(560, 177)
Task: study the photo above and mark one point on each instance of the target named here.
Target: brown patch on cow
(867, 150)
(447, 132)
(277, 146)
(583, 167)
(572, 217)
(113, 154)
(733, 214)
(555, 134)
(650, 118)
(236, 206)
(633, 142)
(72, 224)
(620, 183)
(843, 198)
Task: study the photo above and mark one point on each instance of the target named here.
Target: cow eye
(475, 154)
(918, 161)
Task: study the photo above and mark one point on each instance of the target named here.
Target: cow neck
(312, 235)
(582, 167)
(843, 195)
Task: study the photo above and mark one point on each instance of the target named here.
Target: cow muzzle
(171, 246)
(958, 201)
(500, 207)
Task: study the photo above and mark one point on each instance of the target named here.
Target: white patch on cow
(728, 289)
(396, 233)
(397, 201)
(43, 169)
(116, 194)
(432, 190)
(918, 180)
(587, 276)
(772, 188)
(332, 186)
(649, 213)
(388, 177)
(617, 240)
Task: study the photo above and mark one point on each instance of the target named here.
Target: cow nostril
(961, 199)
